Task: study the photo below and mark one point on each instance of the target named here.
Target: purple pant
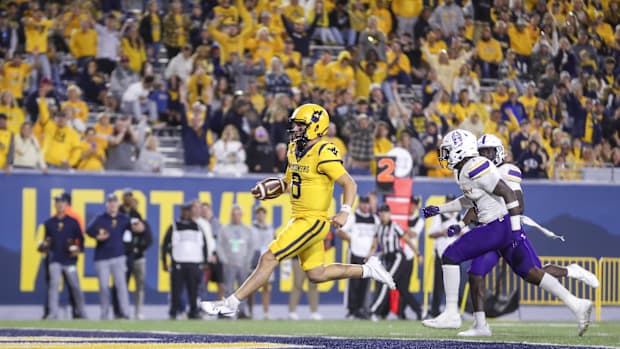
(489, 237)
(486, 243)
(521, 259)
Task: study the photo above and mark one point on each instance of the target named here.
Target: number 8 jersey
(311, 175)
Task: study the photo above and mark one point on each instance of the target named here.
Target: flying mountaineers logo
(316, 115)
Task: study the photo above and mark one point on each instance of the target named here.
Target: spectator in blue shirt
(513, 107)
(63, 243)
(110, 229)
(194, 135)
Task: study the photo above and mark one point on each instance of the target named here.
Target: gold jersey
(311, 175)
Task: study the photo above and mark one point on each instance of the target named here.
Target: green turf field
(602, 333)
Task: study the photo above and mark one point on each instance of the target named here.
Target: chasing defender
(500, 230)
(492, 148)
(314, 164)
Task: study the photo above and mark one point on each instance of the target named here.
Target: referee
(359, 231)
(388, 238)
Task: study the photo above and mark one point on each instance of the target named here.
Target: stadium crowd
(541, 75)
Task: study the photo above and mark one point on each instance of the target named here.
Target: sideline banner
(584, 214)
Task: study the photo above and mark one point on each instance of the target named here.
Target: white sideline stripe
(547, 324)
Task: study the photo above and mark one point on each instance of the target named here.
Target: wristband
(345, 208)
(513, 204)
(515, 222)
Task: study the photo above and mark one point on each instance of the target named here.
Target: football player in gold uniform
(314, 164)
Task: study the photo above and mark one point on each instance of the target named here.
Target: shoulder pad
(477, 167)
(511, 172)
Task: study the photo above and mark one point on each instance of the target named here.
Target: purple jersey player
(491, 147)
(498, 212)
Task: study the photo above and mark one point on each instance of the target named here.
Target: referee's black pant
(185, 275)
(406, 299)
(356, 294)
(395, 264)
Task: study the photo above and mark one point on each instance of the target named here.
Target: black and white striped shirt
(389, 236)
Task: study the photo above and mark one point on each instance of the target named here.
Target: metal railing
(606, 269)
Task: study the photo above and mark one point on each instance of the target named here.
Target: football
(269, 188)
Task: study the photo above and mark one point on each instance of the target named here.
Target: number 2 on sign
(386, 170)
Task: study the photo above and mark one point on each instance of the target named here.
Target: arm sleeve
(77, 235)
(205, 249)
(330, 162)
(456, 205)
(512, 177)
(165, 246)
(435, 226)
(46, 231)
(148, 237)
(398, 229)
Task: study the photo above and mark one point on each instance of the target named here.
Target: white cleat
(444, 320)
(583, 275)
(219, 308)
(477, 331)
(316, 316)
(293, 316)
(583, 313)
(379, 273)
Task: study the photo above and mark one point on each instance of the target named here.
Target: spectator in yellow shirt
(150, 29)
(92, 154)
(274, 24)
(264, 46)
(294, 11)
(133, 48)
(231, 37)
(292, 62)
(6, 145)
(321, 73)
(463, 109)
(36, 30)
(340, 73)
(490, 53)
(199, 86)
(103, 130)
(521, 40)
(80, 108)
(61, 143)
(358, 16)
(433, 167)
(378, 8)
(407, 11)
(14, 114)
(398, 67)
(71, 20)
(83, 43)
(225, 12)
(529, 99)
(14, 75)
(381, 143)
